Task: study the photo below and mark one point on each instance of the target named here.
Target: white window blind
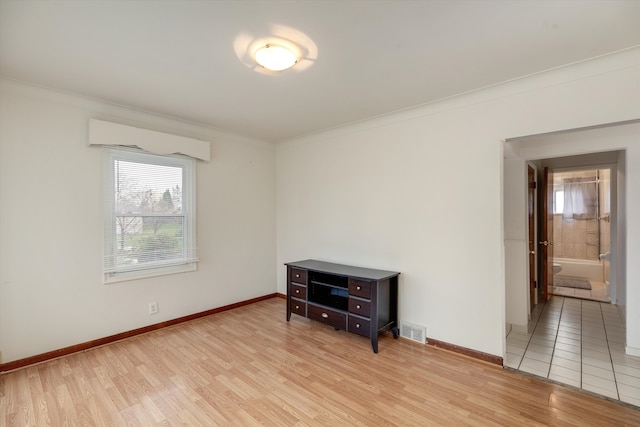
(149, 210)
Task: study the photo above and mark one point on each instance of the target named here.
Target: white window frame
(188, 262)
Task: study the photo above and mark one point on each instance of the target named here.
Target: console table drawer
(360, 288)
(325, 315)
(298, 307)
(361, 307)
(298, 291)
(299, 276)
(359, 326)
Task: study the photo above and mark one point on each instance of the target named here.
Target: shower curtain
(580, 198)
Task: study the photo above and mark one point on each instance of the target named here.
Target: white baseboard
(632, 351)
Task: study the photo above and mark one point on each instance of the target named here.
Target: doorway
(570, 336)
(607, 145)
(582, 214)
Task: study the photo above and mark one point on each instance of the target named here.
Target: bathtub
(587, 269)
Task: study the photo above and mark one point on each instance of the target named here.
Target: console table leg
(394, 331)
(374, 344)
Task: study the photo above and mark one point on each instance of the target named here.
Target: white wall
(51, 291)
(516, 245)
(619, 274)
(420, 192)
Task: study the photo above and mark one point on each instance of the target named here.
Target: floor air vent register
(413, 332)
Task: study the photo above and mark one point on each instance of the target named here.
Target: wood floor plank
(248, 366)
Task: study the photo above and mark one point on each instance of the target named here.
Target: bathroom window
(558, 201)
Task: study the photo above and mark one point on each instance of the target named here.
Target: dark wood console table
(359, 300)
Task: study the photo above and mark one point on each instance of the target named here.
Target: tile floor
(579, 343)
(597, 292)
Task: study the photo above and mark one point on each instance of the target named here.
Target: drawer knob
(297, 291)
(325, 315)
(297, 275)
(358, 306)
(297, 307)
(357, 325)
(358, 288)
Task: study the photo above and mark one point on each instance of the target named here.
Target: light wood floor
(248, 366)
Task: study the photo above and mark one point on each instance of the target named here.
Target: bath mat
(570, 282)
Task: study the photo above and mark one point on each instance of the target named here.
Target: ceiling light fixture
(275, 57)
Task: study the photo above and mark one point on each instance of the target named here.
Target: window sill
(143, 274)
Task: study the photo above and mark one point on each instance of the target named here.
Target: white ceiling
(187, 59)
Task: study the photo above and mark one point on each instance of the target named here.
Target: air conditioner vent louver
(413, 332)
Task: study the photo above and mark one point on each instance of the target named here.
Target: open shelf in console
(329, 290)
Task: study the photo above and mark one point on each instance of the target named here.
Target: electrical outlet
(153, 307)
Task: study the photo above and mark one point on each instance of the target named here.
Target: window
(149, 225)
(558, 200)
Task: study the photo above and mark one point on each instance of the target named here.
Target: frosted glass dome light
(275, 57)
